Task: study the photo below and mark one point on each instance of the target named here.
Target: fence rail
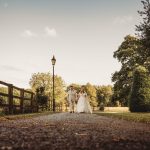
(11, 106)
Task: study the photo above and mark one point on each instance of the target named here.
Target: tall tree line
(96, 94)
(134, 55)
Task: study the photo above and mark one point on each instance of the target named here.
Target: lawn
(137, 117)
(23, 116)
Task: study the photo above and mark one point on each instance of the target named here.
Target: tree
(127, 54)
(45, 80)
(139, 100)
(134, 51)
(144, 34)
(76, 87)
(104, 95)
(91, 92)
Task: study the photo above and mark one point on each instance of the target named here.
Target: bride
(83, 104)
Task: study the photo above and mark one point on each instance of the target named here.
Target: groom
(72, 96)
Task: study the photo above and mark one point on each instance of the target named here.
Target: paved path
(65, 131)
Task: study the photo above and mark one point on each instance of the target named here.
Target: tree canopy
(127, 54)
(133, 52)
(139, 100)
(45, 80)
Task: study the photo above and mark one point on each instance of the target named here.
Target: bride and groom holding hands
(78, 102)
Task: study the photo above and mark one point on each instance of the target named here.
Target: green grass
(137, 117)
(23, 116)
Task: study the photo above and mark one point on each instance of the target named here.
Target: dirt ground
(65, 131)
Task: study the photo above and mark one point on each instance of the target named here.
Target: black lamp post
(53, 63)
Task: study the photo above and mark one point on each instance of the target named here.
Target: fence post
(10, 98)
(22, 100)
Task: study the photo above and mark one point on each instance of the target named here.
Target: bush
(40, 97)
(101, 108)
(139, 100)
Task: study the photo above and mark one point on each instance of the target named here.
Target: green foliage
(45, 80)
(133, 51)
(40, 97)
(91, 92)
(24, 116)
(104, 95)
(136, 117)
(128, 55)
(127, 52)
(139, 100)
(144, 34)
(77, 87)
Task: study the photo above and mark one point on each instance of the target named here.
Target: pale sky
(82, 34)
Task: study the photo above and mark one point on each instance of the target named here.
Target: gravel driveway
(65, 131)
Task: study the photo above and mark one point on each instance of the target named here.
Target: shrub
(40, 97)
(139, 100)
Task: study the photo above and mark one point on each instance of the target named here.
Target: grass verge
(23, 116)
(137, 117)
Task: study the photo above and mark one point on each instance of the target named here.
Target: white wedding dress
(83, 104)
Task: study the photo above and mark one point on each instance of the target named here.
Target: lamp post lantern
(53, 63)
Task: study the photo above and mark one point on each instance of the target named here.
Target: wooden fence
(7, 100)
(10, 106)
